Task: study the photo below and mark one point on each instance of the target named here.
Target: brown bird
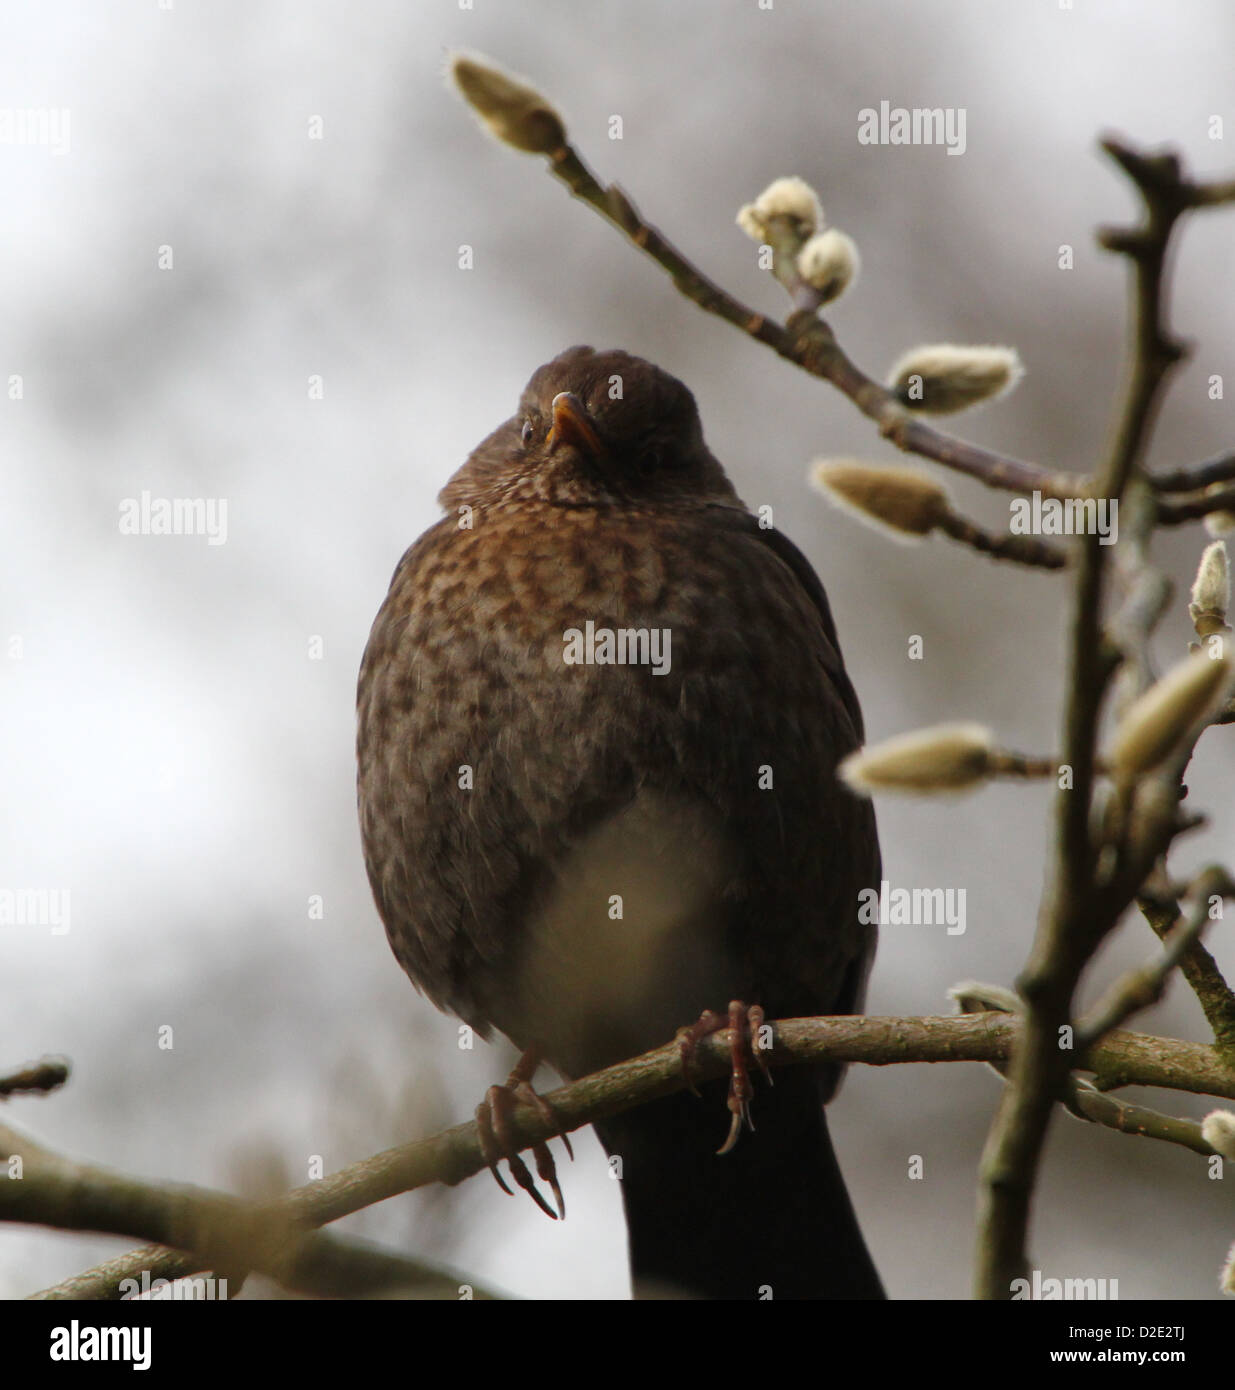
(600, 713)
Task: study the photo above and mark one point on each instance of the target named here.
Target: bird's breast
(629, 940)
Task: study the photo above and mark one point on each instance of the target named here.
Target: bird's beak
(572, 425)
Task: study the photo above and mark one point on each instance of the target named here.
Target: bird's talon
(688, 1039)
(523, 1177)
(741, 1027)
(497, 1139)
(735, 1130)
(488, 1140)
(547, 1171)
(524, 1091)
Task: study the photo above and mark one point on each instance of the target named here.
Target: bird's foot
(497, 1140)
(743, 1024)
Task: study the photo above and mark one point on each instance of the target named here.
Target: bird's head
(594, 428)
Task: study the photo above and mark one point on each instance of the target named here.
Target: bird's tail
(770, 1219)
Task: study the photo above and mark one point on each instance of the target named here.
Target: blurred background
(240, 281)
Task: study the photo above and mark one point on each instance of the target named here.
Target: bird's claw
(743, 1024)
(497, 1140)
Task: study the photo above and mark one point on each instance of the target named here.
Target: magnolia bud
(946, 757)
(908, 500)
(513, 111)
(791, 198)
(1218, 1131)
(1155, 722)
(829, 263)
(943, 378)
(1211, 590)
(975, 997)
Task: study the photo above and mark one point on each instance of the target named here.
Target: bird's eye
(528, 431)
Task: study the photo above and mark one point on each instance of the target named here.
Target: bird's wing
(742, 521)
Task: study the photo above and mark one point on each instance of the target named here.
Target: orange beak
(571, 425)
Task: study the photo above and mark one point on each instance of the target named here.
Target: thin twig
(1191, 508)
(1138, 989)
(47, 1074)
(1021, 550)
(1219, 469)
(1088, 1103)
(1080, 1097)
(1200, 969)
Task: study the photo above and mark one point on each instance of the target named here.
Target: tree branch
(1086, 1102)
(1198, 967)
(1192, 508)
(223, 1232)
(454, 1155)
(47, 1074)
(1140, 988)
(1219, 469)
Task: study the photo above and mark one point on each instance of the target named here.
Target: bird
(599, 717)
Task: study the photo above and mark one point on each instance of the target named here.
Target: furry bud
(943, 378)
(513, 111)
(829, 263)
(945, 757)
(1155, 722)
(791, 198)
(1211, 590)
(1218, 1131)
(908, 500)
